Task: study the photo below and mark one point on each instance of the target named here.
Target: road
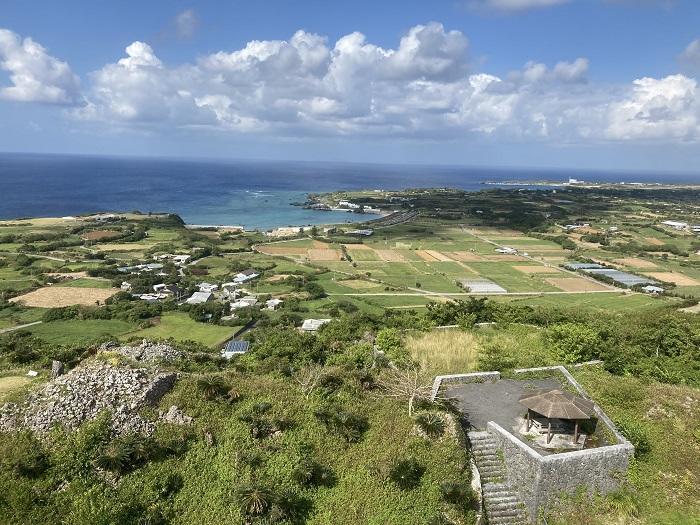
(19, 327)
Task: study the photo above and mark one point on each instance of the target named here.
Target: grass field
(9, 384)
(80, 331)
(181, 327)
(85, 283)
(447, 351)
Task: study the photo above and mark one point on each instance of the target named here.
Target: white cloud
(657, 108)
(423, 89)
(186, 23)
(36, 76)
(691, 54)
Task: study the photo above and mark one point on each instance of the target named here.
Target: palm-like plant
(433, 425)
(211, 386)
(114, 456)
(406, 473)
(254, 499)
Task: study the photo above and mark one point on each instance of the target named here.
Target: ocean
(255, 194)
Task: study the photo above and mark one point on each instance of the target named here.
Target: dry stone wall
(87, 391)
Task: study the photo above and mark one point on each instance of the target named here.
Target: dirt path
(19, 327)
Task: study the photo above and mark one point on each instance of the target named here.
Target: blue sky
(552, 83)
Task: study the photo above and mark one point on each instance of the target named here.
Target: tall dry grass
(444, 351)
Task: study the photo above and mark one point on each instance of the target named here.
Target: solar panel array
(237, 347)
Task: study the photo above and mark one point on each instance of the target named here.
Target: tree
(409, 385)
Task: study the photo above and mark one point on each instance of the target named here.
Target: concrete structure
(653, 289)
(518, 482)
(312, 325)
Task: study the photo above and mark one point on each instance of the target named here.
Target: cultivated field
(576, 284)
(60, 296)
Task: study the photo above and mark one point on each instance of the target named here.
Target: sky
(592, 84)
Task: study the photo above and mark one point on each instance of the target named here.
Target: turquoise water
(253, 194)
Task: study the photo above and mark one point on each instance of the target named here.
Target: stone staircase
(501, 502)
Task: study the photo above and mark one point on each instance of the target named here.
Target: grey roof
(199, 297)
(558, 404)
(249, 272)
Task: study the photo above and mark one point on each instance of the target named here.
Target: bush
(406, 473)
(311, 474)
(23, 454)
(346, 424)
(433, 425)
(637, 434)
(212, 386)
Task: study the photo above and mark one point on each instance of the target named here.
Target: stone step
(497, 500)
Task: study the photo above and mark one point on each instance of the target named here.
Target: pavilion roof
(558, 404)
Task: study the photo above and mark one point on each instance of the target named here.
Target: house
(208, 287)
(245, 276)
(655, 290)
(507, 250)
(149, 297)
(168, 289)
(234, 347)
(199, 298)
(312, 325)
(272, 304)
(125, 286)
(244, 302)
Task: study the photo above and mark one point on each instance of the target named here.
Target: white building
(507, 250)
(272, 304)
(312, 325)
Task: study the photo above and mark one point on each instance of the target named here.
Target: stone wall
(540, 480)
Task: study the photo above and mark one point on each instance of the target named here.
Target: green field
(180, 327)
(86, 283)
(80, 331)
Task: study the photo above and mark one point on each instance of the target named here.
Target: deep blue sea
(256, 194)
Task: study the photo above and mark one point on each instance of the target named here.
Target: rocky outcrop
(147, 351)
(87, 391)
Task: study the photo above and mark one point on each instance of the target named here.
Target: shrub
(212, 386)
(433, 425)
(309, 473)
(346, 424)
(406, 473)
(636, 433)
(254, 499)
(23, 454)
